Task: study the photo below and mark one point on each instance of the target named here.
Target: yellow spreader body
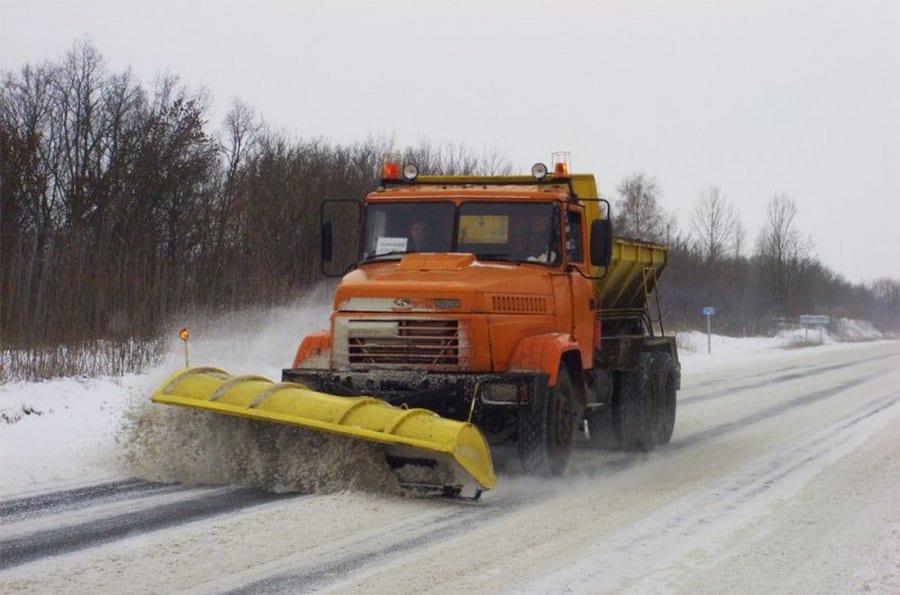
(454, 455)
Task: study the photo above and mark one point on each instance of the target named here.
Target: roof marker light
(539, 171)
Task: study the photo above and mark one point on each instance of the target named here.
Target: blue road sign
(709, 311)
(814, 320)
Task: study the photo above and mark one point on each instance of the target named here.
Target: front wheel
(545, 435)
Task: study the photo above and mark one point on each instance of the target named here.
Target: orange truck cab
(503, 300)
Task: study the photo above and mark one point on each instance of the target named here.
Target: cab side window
(573, 237)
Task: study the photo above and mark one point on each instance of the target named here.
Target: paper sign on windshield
(386, 245)
(483, 229)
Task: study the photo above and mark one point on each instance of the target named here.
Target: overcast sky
(756, 97)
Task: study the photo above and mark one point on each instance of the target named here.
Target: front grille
(404, 342)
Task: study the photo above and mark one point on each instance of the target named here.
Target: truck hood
(446, 283)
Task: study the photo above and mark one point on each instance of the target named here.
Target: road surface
(783, 475)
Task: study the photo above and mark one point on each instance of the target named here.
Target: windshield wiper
(375, 257)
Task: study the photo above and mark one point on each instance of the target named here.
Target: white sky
(756, 97)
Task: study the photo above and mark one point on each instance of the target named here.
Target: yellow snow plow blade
(455, 451)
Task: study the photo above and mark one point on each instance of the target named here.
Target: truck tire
(545, 435)
(664, 378)
(638, 407)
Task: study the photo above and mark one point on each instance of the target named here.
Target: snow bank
(848, 330)
(693, 346)
(60, 432)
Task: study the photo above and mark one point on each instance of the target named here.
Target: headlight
(539, 171)
(410, 172)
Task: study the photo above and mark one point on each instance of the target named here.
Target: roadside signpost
(815, 321)
(708, 311)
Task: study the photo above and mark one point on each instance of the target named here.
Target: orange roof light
(561, 160)
(391, 171)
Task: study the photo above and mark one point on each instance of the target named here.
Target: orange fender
(542, 353)
(314, 345)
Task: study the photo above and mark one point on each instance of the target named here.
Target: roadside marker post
(184, 334)
(708, 311)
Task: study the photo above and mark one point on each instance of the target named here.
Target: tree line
(753, 289)
(122, 207)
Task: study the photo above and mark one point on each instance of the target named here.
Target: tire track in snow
(815, 371)
(790, 369)
(772, 411)
(15, 509)
(743, 377)
(384, 544)
(52, 542)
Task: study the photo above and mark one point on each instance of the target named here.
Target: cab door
(582, 291)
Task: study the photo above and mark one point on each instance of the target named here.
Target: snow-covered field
(783, 475)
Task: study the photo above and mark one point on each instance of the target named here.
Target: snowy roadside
(698, 355)
(62, 433)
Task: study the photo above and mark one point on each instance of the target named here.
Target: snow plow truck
(481, 311)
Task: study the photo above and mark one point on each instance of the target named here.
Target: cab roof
(509, 187)
(494, 191)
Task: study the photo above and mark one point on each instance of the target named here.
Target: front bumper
(448, 394)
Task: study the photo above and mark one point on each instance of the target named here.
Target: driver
(430, 236)
(418, 234)
(530, 240)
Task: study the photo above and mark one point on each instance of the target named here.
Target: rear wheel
(545, 436)
(664, 377)
(638, 409)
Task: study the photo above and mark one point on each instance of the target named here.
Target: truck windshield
(517, 232)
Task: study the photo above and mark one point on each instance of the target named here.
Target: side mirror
(342, 216)
(327, 241)
(601, 242)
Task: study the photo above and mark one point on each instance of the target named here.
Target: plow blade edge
(454, 454)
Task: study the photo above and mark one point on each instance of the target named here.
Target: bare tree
(638, 214)
(455, 160)
(782, 252)
(242, 132)
(886, 307)
(716, 227)
(739, 238)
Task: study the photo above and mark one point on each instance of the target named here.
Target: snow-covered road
(783, 475)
